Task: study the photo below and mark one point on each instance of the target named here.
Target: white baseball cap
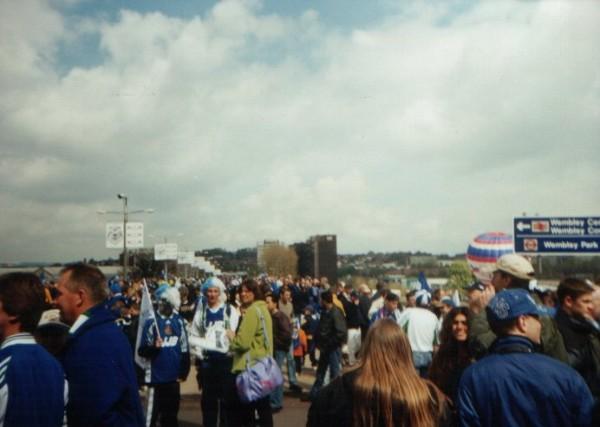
(515, 265)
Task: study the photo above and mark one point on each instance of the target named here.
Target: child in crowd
(300, 346)
(310, 325)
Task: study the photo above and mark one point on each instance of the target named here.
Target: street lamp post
(125, 214)
(166, 265)
(125, 219)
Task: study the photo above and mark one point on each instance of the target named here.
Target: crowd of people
(84, 351)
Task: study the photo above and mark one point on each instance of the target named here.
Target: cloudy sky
(395, 125)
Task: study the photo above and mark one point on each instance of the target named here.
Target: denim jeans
(327, 359)
(291, 366)
(421, 361)
(276, 397)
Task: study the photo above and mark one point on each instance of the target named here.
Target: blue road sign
(557, 235)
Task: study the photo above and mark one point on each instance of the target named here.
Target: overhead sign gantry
(557, 235)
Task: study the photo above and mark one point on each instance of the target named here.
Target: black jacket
(582, 341)
(353, 314)
(332, 331)
(364, 304)
(282, 331)
(333, 406)
(300, 298)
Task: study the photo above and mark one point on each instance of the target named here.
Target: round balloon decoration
(484, 250)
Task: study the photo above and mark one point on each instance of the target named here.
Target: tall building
(325, 256)
(260, 251)
(306, 258)
(318, 257)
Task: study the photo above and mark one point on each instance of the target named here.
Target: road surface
(293, 414)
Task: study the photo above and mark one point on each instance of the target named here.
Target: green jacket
(250, 339)
(481, 336)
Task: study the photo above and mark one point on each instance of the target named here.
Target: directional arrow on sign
(523, 226)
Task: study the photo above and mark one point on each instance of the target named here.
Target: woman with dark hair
(453, 355)
(384, 390)
(252, 341)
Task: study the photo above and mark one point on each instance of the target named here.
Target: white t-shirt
(420, 326)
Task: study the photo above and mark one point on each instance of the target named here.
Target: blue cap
(512, 303)
(475, 286)
(448, 301)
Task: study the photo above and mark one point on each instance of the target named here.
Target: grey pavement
(293, 414)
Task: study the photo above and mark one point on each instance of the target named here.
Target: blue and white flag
(456, 298)
(423, 281)
(146, 312)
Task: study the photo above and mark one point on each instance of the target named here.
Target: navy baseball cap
(475, 286)
(448, 301)
(512, 303)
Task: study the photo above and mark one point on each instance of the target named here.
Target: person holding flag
(164, 342)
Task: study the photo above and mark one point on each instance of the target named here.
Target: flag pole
(153, 317)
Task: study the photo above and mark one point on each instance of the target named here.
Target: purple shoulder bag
(260, 379)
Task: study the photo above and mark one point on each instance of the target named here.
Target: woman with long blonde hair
(384, 390)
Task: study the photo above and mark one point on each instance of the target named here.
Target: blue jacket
(98, 362)
(513, 386)
(32, 384)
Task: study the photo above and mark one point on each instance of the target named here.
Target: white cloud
(29, 31)
(31, 172)
(290, 208)
(242, 125)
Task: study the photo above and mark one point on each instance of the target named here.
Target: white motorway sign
(186, 257)
(165, 251)
(114, 235)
